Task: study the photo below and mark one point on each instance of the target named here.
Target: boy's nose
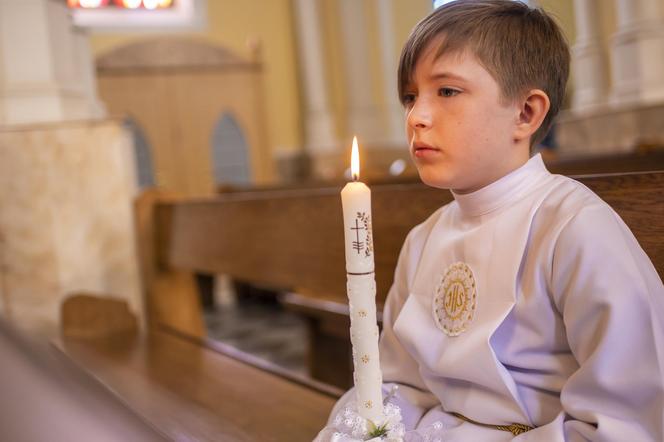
(418, 117)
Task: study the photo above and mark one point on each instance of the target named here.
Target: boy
(525, 308)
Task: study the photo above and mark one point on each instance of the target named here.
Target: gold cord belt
(515, 429)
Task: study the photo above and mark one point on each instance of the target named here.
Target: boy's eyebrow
(446, 75)
(440, 76)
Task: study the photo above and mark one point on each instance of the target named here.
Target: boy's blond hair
(521, 47)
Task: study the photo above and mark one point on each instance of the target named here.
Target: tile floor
(262, 328)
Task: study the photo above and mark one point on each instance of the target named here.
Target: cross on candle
(357, 244)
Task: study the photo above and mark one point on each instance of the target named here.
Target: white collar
(509, 188)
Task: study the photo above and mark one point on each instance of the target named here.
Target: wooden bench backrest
(293, 239)
(644, 161)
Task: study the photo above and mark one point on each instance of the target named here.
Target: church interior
(170, 220)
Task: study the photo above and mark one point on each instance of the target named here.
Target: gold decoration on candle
(366, 222)
(368, 404)
(365, 359)
(362, 313)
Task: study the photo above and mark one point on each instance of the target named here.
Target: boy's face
(461, 133)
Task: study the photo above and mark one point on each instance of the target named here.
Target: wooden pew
(183, 384)
(291, 240)
(643, 160)
(189, 390)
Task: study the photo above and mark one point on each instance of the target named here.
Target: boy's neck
(506, 166)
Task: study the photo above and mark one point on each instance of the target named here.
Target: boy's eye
(447, 92)
(408, 99)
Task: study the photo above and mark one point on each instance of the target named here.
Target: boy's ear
(533, 108)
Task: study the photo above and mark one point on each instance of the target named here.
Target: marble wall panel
(65, 218)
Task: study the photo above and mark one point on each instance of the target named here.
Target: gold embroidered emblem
(455, 300)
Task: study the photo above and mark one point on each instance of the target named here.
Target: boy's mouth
(423, 150)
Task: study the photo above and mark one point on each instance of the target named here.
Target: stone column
(638, 48)
(320, 138)
(364, 116)
(395, 113)
(46, 71)
(589, 61)
(86, 73)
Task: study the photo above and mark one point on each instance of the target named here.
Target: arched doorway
(175, 88)
(230, 154)
(142, 154)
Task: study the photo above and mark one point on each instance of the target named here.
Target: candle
(361, 288)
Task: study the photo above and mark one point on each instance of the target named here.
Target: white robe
(566, 336)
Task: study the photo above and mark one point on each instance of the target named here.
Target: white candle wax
(356, 203)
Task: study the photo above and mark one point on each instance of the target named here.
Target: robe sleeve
(612, 303)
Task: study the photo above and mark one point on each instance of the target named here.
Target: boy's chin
(435, 180)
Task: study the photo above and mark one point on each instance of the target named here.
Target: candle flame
(355, 161)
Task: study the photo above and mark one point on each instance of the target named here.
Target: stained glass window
(120, 4)
(138, 15)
